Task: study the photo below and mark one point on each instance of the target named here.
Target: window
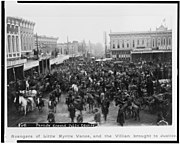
(9, 43)
(16, 29)
(137, 42)
(123, 44)
(169, 41)
(127, 44)
(142, 42)
(113, 45)
(159, 42)
(22, 42)
(8, 28)
(164, 41)
(133, 43)
(17, 44)
(153, 43)
(13, 44)
(118, 46)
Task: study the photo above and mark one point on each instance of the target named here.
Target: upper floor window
(9, 43)
(169, 41)
(113, 45)
(164, 41)
(133, 43)
(127, 44)
(118, 46)
(123, 44)
(8, 28)
(137, 42)
(17, 43)
(159, 42)
(153, 43)
(13, 44)
(142, 42)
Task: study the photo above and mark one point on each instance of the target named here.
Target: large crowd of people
(131, 86)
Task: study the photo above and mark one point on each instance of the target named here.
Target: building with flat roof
(19, 40)
(45, 44)
(123, 44)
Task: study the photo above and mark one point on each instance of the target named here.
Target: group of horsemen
(98, 84)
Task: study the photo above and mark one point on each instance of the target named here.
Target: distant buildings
(46, 44)
(71, 48)
(126, 45)
(62, 48)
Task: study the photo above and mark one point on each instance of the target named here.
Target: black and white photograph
(95, 66)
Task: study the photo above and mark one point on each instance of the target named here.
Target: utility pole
(105, 42)
(67, 45)
(90, 48)
(37, 46)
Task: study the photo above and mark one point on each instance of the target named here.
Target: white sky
(89, 21)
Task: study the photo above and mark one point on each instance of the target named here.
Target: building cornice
(139, 33)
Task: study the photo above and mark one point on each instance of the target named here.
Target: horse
(75, 88)
(79, 104)
(24, 103)
(30, 95)
(135, 111)
(52, 105)
(16, 102)
(39, 103)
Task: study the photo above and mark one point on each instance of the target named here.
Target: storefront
(15, 70)
(44, 66)
(158, 56)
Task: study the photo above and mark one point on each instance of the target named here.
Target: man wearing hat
(97, 116)
(121, 117)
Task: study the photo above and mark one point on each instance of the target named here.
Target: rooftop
(158, 30)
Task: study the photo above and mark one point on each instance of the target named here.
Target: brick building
(123, 44)
(19, 33)
(46, 44)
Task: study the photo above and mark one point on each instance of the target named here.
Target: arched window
(24, 43)
(17, 43)
(118, 46)
(123, 44)
(13, 44)
(153, 43)
(164, 41)
(21, 42)
(133, 43)
(127, 44)
(113, 45)
(159, 42)
(169, 41)
(9, 43)
(137, 42)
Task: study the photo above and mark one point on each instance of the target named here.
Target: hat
(96, 109)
